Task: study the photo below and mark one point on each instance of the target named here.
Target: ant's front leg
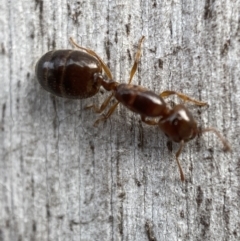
(178, 163)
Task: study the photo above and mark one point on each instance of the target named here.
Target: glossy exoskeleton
(71, 74)
(177, 123)
(83, 71)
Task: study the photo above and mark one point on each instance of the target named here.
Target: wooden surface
(63, 179)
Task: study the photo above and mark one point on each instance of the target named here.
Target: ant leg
(106, 70)
(179, 166)
(137, 57)
(105, 103)
(149, 122)
(91, 52)
(184, 97)
(227, 147)
(105, 117)
(102, 107)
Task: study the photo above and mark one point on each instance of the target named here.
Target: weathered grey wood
(63, 179)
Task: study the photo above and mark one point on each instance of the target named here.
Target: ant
(78, 74)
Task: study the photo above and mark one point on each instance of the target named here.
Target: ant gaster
(78, 74)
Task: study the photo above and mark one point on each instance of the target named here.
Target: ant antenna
(226, 145)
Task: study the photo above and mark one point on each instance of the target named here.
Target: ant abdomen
(69, 73)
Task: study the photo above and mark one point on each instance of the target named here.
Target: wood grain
(63, 179)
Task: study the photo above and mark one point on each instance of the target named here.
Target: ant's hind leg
(137, 57)
(91, 52)
(184, 97)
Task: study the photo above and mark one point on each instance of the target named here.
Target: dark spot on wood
(127, 27)
(53, 43)
(170, 27)
(7, 223)
(110, 218)
(160, 63)
(116, 38)
(226, 211)
(28, 75)
(107, 48)
(149, 231)
(3, 116)
(199, 198)
(75, 10)
(69, 10)
(154, 4)
(92, 147)
(182, 214)
(208, 12)
(122, 195)
(32, 35)
(120, 225)
(3, 111)
(39, 4)
(48, 211)
(61, 217)
(72, 223)
(205, 217)
(55, 120)
(1, 235)
(205, 221)
(32, 186)
(153, 50)
(34, 226)
(53, 99)
(190, 167)
(169, 145)
(3, 50)
(139, 184)
(129, 55)
(225, 48)
(140, 135)
(19, 84)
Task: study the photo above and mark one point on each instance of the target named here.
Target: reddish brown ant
(177, 122)
(70, 73)
(76, 74)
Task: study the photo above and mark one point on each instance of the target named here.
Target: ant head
(179, 124)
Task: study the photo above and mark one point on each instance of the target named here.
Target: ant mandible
(78, 74)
